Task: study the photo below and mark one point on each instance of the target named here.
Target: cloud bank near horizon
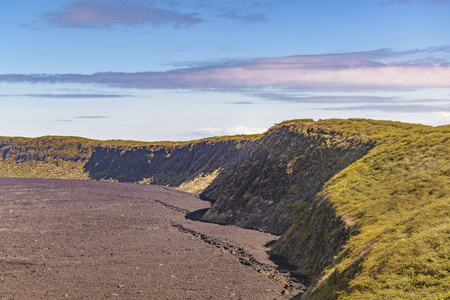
(230, 130)
(382, 69)
(68, 96)
(397, 108)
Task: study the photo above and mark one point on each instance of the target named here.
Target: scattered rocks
(284, 278)
(48, 251)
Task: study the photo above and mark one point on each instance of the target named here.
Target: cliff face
(281, 176)
(165, 165)
(261, 183)
(334, 190)
(168, 163)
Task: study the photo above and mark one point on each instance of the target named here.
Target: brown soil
(68, 239)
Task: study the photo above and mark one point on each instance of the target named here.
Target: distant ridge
(362, 206)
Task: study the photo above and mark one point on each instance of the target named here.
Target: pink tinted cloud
(326, 72)
(332, 72)
(88, 14)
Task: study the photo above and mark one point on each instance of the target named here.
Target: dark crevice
(196, 215)
(294, 286)
(284, 266)
(283, 272)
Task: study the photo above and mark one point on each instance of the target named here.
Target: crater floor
(101, 240)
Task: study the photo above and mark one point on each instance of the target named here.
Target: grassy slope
(45, 157)
(398, 196)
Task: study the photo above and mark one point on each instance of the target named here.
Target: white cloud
(230, 130)
(442, 118)
(372, 70)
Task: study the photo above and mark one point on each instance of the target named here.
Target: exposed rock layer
(281, 177)
(164, 164)
(322, 185)
(263, 183)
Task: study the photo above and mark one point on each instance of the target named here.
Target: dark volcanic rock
(281, 177)
(165, 164)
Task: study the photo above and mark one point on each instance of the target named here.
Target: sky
(188, 69)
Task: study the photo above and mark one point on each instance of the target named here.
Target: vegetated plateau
(362, 206)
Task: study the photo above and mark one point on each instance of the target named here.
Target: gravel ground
(69, 239)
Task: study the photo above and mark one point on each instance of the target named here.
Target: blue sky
(186, 69)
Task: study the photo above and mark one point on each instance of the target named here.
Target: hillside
(395, 205)
(164, 163)
(362, 206)
(282, 174)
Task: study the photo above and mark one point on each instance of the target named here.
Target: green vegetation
(129, 143)
(199, 183)
(38, 169)
(387, 215)
(398, 196)
(45, 157)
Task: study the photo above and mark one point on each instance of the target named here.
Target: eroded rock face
(164, 165)
(270, 183)
(281, 177)
(289, 182)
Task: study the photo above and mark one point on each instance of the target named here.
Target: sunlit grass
(399, 198)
